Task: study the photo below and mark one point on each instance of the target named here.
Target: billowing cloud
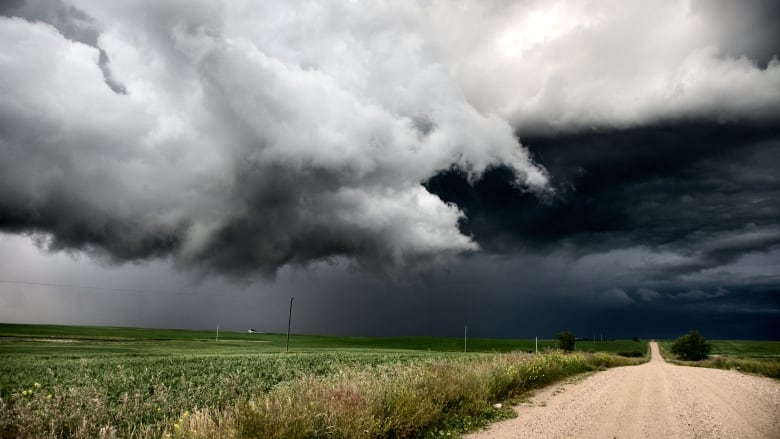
(241, 137)
(231, 155)
(71, 22)
(571, 66)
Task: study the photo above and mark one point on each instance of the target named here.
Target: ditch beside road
(655, 399)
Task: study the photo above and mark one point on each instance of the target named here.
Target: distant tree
(566, 340)
(691, 347)
(636, 339)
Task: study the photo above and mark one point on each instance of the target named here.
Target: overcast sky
(400, 168)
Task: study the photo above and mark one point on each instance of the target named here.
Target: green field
(70, 381)
(75, 381)
(758, 357)
(746, 348)
(54, 339)
(739, 349)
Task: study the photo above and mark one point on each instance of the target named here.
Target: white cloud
(550, 66)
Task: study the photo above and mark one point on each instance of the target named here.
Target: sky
(399, 168)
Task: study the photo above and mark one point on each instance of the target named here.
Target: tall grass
(365, 397)
(769, 367)
(766, 367)
(414, 400)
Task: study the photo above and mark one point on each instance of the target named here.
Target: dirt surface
(653, 400)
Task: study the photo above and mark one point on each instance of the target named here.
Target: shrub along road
(656, 399)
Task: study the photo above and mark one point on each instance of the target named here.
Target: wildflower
(37, 385)
(48, 396)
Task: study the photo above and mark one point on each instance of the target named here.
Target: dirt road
(654, 400)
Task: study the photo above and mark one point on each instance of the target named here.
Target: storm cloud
(240, 138)
(706, 192)
(231, 150)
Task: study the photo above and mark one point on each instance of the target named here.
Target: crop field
(62, 381)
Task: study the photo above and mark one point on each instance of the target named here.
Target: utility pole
(537, 344)
(289, 321)
(465, 336)
(217, 333)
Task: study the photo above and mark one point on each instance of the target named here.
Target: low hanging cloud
(240, 138)
(647, 294)
(614, 297)
(701, 295)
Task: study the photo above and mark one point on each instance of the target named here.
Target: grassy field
(746, 348)
(759, 357)
(64, 381)
(145, 341)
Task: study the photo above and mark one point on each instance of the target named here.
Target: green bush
(566, 340)
(691, 347)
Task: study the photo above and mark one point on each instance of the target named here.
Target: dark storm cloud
(63, 222)
(676, 220)
(706, 190)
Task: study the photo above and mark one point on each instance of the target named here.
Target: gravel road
(653, 400)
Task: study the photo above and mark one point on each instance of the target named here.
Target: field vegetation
(145, 341)
(126, 382)
(691, 347)
(758, 357)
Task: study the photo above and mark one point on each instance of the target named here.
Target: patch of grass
(765, 367)
(613, 346)
(632, 354)
(758, 357)
(746, 348)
